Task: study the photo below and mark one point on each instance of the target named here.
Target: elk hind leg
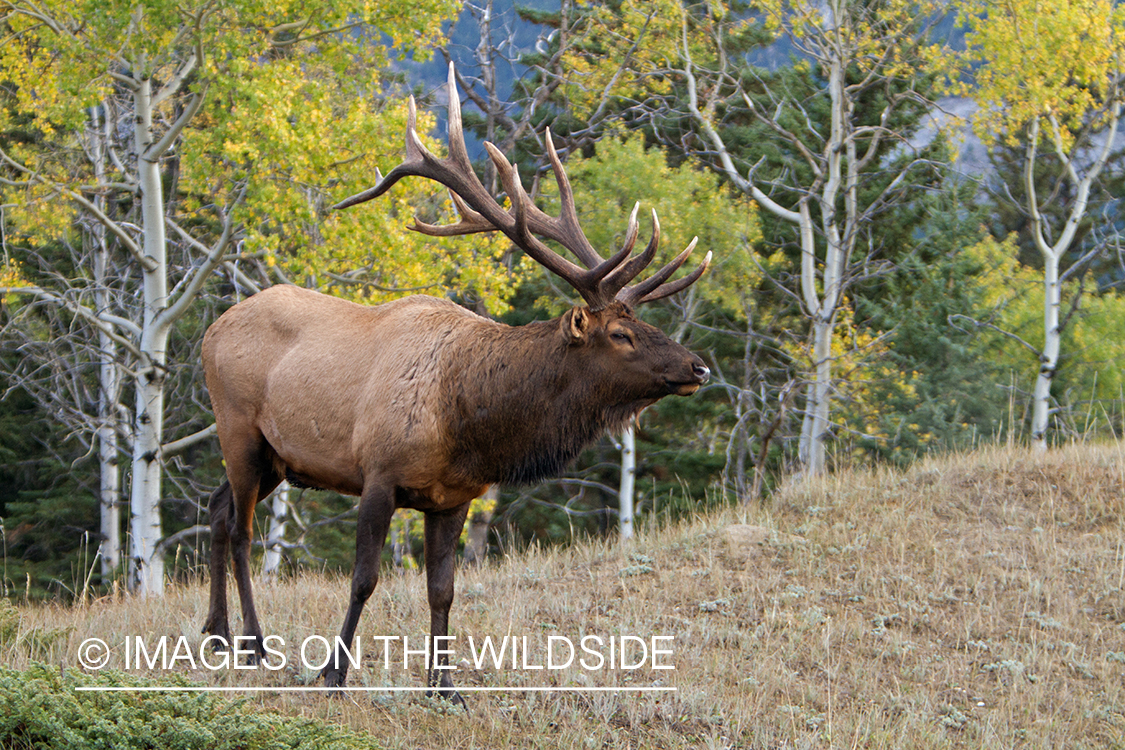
(242, 532)
(220, 507)
(251, 476)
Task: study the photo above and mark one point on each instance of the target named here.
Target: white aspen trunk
(804, 443)
(836, 167)
(1049, 359)
(1052, 254)
(109, 389)
(109, 490)
(814, 429)
(817, 411)
(397, 545)
(279, 510)
(146, 573)
(811, 449)
(401, 552)
(739, 444)
(476, 544)
(628, 476)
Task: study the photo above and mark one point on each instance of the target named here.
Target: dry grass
(972, 601)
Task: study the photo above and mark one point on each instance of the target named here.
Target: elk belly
(438, 496)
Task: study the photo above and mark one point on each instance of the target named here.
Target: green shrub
(42, 709)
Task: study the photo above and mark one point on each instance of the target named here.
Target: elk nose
(701, 371)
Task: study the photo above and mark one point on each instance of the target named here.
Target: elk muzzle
(700, 374)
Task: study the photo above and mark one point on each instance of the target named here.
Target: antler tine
(643, 291)
(416, 154)
(629, 270)
(420, 162)
(458, 152)
(596, 275)
(566, 228)
(520, 231)
(633, 228)
(471, 222)
(479, 210)
(587, 283)
(667, 290)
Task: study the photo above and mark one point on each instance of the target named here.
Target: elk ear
(576, 324)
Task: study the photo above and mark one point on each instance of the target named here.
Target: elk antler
(601, 281)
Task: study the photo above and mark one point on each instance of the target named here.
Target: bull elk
(420, 403)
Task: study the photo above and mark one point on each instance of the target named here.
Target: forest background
(914, 209)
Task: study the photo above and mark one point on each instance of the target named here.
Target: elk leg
(442, 532)
(376, 506)
(241, 534)
(220, 509)
(250, 477)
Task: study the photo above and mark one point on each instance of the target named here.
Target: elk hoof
(449, 694)
(220, 642)
(334, 678)
(250, 646)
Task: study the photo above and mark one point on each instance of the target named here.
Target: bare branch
(182, 444)
(990, 326)
(176, 82)
(33, 11)
(1079, 264)
(1081, 200)
(240, 278)
(105, 187)
(127, 81)
(704, 121)
(173, 540)
(343, 279)
(298, 40)
(156, 150)
(771, 121)
(101, 322)
(1029, 186)
(115, 227)
(214, 257)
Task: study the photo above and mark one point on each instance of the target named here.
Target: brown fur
(416, 403)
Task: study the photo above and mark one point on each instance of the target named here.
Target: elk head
(643, 361)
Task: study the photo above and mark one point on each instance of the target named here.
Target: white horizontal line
(266, 689)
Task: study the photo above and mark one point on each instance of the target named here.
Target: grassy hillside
(972, 601)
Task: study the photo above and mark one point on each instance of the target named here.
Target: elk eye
(622, 337)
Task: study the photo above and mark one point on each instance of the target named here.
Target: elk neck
(526, 403)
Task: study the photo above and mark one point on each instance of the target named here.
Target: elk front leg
(442, 532)
(376, 506)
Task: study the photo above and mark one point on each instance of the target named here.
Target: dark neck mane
(522, 411)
